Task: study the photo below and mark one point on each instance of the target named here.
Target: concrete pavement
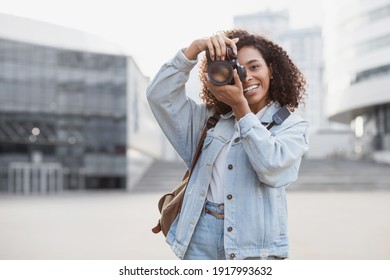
(323, 224)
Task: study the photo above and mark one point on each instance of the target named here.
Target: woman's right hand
(216, 45)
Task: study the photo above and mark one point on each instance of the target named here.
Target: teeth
(250, 88)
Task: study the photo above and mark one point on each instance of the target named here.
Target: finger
(210, 48)
(217, 46)
(222, 44)
(232, 44)
(210, 86)
(237, 80)
(213, 89)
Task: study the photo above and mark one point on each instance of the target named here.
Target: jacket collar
(272, 108)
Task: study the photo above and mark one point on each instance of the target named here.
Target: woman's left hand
(231, 95)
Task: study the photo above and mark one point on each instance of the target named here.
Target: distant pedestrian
(235, 204)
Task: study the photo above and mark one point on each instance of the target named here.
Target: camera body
(220, 72)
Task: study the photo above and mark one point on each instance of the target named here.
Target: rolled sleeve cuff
(182, 63)
(247, 122)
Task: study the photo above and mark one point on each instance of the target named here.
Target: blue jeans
(207, 240)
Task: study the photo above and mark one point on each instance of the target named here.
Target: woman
(235, 204)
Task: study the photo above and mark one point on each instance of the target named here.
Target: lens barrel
(220, 72)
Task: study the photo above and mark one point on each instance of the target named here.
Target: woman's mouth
(249, 89)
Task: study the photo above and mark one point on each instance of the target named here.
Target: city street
(324, 222)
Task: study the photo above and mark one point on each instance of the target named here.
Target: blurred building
(68, 104)
(305, 47)
(268, 23)
(357, 56)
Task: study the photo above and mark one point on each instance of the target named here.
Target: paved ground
(325, 223)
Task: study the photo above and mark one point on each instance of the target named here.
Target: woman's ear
(270, 71)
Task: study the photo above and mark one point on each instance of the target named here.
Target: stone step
(161, 177)
(314, 175)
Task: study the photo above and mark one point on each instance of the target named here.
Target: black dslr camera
(221, 71)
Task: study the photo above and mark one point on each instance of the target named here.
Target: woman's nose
(248, 75)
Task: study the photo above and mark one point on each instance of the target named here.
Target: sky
(152, 31)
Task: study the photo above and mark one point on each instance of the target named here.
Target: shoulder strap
(279, 117)
(211, 122)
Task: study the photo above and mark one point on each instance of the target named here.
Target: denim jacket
(259, 166)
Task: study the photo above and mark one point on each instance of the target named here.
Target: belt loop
(204, 208)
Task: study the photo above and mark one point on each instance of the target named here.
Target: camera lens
(220, 72)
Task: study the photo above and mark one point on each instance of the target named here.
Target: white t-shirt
(217, 184)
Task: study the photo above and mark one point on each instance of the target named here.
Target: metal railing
(27, 177)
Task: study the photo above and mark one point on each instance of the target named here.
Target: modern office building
(305, 48)
(69, 102)
(357, 67)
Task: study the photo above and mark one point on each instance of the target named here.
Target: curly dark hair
(288, 85)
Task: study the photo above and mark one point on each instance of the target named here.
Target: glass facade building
(62, 118)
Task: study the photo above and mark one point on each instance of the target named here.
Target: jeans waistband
(213, 206)
(214, 209)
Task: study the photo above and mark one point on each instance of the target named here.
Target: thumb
(237, 80)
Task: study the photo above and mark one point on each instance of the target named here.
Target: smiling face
(257, 83)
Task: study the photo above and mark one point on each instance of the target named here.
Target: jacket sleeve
(276, 155)
(180, 117)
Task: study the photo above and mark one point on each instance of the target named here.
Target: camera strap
(280, 116)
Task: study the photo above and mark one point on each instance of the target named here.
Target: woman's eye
(254, 67)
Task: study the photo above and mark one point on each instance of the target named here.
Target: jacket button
(237, 140)
(229, 229)
(232, 255)
(229, 196)
(230, 166)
